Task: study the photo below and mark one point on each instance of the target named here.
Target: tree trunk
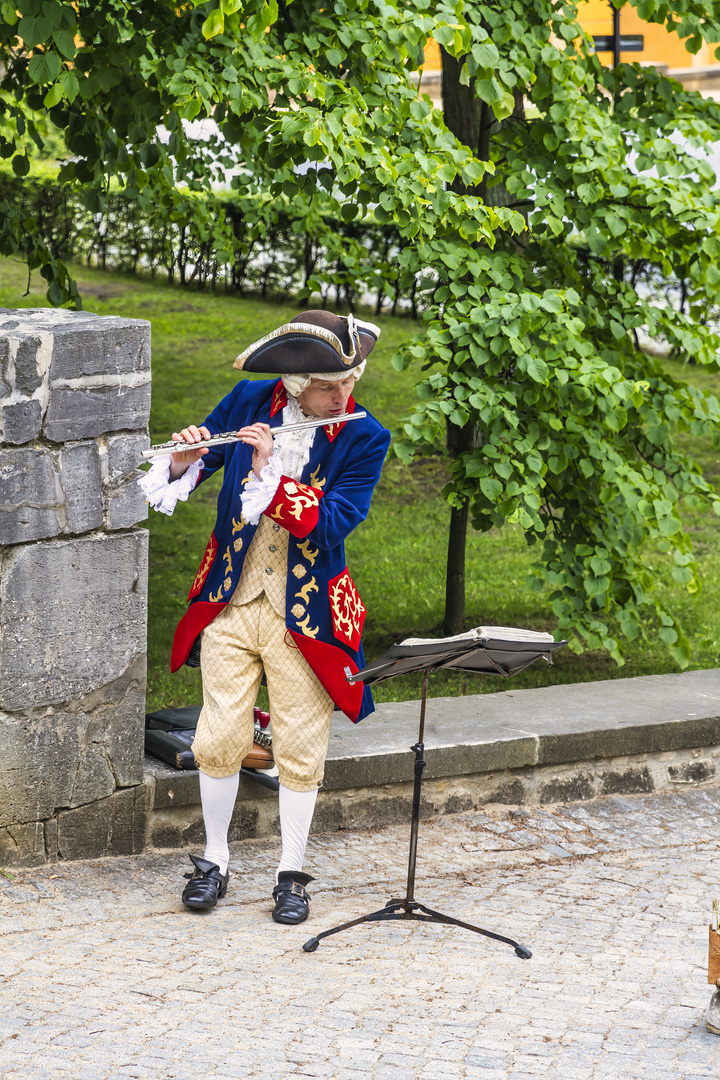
(464, 115)
(459, 439)
(473, 123)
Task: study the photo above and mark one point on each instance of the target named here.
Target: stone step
(516, 747)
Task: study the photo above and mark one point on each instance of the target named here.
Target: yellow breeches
(236, 647)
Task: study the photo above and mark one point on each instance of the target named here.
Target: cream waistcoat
(265, 567)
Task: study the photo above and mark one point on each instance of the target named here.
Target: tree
(530, 338)
(539, 335)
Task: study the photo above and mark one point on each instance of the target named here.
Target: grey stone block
(87, 411)
(83, 492)
(30, 495)
(60, 759)
(99, 345)
(125, 506)
(570, 789)
(23, 845)
(116, 724)
(692, 772)
(40, 758)
(28, 477)
(120, 455)
(631, 781)
(27, 523)
(114, 826)
(174, 788)
(27, 376)
(72, 617)
(4, 372)
(51, 839)
(21, 421)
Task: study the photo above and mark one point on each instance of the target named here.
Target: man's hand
(180, 462)
(258, 436)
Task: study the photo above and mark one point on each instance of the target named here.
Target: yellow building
(698, 71)
(662, 48)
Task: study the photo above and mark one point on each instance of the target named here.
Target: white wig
(295, 384)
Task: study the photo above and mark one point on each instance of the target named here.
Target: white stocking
(218, 794)
(296, 812)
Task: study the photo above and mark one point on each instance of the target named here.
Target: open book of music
(486, 633)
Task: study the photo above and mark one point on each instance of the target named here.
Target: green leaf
(490, 488)
(537, 369)
(65, 43)
(20, 165)
(44, 67)
(69, 84)
(213, 25)
(53, 96)
(504, 107)
(55, 294)
(34, 30)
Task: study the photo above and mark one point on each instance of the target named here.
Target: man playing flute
(272, 592)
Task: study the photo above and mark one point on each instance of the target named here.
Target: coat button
(273, 548)
(276, 528)
(268, 570)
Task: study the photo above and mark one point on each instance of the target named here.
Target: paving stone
(104, 975)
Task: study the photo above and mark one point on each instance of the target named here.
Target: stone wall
(74, 409)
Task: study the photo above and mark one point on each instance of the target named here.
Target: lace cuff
(163, 493)
(258, 494)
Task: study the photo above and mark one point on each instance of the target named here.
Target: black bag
(169, 735)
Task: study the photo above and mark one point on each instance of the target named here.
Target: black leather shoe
(292, 903)
(206, 886)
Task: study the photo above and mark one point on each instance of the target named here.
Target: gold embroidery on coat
(237, 526)
(227, 583)
(238, 544)
(204, 567)
(228, 559)
(308, 587)
(300, 498)
(298, 611)
(277, 513)
(216, 598)
(347, 607)
(305, 627)
(314, 482)
(299, 570)
(311, 556)
(250, 476)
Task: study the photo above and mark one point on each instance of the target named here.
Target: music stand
(492, 650)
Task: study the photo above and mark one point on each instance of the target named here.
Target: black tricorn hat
(313, 342)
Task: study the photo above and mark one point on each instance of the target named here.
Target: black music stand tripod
(473, 653)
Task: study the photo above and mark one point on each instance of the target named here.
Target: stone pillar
(74, 408)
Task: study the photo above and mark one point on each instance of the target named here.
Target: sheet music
(497, 633)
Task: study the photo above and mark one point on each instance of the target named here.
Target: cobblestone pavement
(103, 974)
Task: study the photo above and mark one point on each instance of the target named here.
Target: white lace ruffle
(258, 494)
(163, 493)
(290, 456)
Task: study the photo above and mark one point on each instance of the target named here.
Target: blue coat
(323, 611)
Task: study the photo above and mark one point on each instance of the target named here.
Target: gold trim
(318, 332)
(308, 587)
(311, 556)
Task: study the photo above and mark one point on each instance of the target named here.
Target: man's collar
(279, 401)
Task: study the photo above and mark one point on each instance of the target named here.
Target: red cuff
(295, 506)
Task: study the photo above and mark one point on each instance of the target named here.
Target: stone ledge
(555, 744)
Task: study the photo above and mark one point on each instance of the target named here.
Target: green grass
(397, 557)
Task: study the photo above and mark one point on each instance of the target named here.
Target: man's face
(324, 398)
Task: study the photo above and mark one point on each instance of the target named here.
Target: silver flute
(179, 445)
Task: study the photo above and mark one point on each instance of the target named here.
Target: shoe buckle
(297, 889)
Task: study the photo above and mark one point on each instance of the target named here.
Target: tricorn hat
(313, 342)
